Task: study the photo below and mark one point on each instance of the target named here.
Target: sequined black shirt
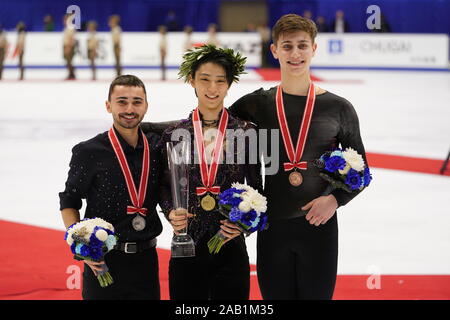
(237, 167)
(95, 175)
(334, 123)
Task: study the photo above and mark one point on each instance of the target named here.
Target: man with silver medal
(117, 172)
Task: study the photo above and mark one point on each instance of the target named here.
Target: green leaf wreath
(191, 57)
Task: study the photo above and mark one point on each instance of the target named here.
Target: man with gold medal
(226, 275)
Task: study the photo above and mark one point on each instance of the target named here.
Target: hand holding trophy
(178, 159)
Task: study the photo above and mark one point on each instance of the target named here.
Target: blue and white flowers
(344, 169)
(91, 239)
(244, 206)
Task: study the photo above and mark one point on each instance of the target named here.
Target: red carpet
(413, 164)
(35, 261)
(274, 74)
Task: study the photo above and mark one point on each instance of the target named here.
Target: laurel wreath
(192, 56)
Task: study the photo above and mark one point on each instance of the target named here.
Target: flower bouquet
(344, 169)
(245, 207)
(91, 239)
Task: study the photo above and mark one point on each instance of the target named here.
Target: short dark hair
(291, 23)
(126, 80)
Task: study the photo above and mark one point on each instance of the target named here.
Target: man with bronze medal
(117, 172)
(297, 255)
(225, 275)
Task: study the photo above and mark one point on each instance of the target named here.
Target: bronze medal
(295, 178)
(208, 203)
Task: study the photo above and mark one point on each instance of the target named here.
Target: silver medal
(138, 223)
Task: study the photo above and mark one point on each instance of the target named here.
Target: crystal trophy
(178, 158)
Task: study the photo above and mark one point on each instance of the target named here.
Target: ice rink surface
(399, 225)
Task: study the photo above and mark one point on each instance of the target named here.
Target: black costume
(296, 260)
(95, 175)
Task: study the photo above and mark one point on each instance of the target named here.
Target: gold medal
(208, 203)
(295, 178)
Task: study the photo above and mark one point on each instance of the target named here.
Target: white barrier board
(334, 50)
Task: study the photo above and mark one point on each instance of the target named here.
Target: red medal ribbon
(133, 210)
(289, 166)
(208, 173)
(137, 199)
(202, 190)
(294, 157)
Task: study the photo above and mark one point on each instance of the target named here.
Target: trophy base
(182, 247)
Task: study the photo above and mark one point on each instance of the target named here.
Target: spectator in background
(116, 32)
(307, 14)
(384, 25)
(3, 47)
(171, 21)
(212, 35)
(251, 27)
(321, 24)
(49, 24)
(264, 34)
(188, 43)
(69, 45)
(20, 47)
(163, 50)
(92, 46)
(339, 24)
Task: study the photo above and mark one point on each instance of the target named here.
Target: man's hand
(229, 230)
(321, 209)
(95, 266)
(178, 219)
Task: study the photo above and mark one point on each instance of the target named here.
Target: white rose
(256, 200)
(69, 239)
(244, 206)
(101, 235)
(259, 204)
(354, 159)
(345, 170)
(240, 186)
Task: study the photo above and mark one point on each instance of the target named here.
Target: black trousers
(135, 277)
(296, 260)
(221, 276)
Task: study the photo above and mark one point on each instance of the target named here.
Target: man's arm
(165, 191)
(323, 208)
(246, 107)
(76, 188)
(70, 216)
(349, 137)
(157, 127)
(253, 173)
